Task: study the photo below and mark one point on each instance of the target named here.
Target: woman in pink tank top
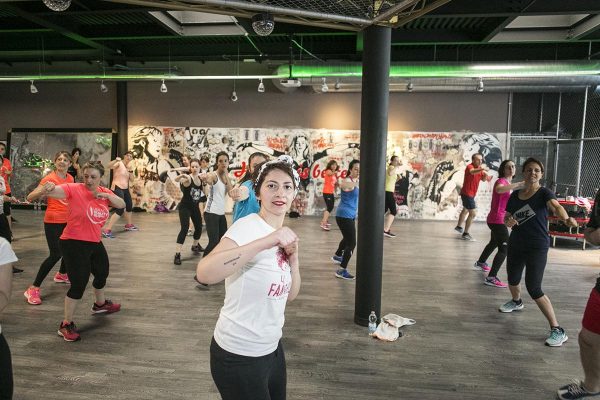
(495, 221)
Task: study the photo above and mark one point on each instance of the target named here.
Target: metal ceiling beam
(458, 8)
(420, 13)
(394, 10)
(57, 28)
(585, 28)
(505, 23)
(36, 54)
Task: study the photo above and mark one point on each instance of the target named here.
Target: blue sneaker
(343, 273)
(336, 259)
(557, 337)
(108, 234)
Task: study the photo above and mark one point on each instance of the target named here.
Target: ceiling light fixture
(233, 96)
(410, 86)
(32, 88)
(261, 86)
(324, 87)
(163, 87)
(57, 5)
(263, 24)
(103, 87)
(480, 85)
(338, 85)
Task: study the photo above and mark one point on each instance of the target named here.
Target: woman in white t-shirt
(258, 259)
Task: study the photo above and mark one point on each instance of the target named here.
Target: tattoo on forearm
(233, 260)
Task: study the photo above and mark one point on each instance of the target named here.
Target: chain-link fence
(571, 157)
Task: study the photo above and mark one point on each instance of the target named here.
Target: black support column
(122, 121)
(373, 139)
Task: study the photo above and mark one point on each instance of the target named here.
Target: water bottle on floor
(372, 323)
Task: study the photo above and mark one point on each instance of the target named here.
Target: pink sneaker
(131, 227)
(481, 266)
(493, 281)
(325, 227)
(61, 278)
(32, 295)
(107, 308)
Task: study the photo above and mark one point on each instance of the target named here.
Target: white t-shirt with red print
(252, 317)
(87, 214)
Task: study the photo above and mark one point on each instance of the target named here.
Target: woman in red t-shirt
(330, 180)
(81, 244)
(55, 221)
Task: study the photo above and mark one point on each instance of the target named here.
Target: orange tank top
(329, 184)
(57, 211)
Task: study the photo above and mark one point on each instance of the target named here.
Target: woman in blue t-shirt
(345, 216)
(527, 215)
(246, 202)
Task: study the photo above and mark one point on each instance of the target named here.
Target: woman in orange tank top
(55, 221)
(329, 175)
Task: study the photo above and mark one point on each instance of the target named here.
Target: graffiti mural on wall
(432, 163)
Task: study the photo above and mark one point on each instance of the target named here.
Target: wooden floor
(157, 346)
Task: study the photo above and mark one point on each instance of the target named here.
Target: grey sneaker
(466, 236)
(557, 337)
(458, 229)
(510, 307)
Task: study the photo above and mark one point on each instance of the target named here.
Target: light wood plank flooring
(157, 346)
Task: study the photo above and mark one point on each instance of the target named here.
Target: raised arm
(561, 213)
(184, 179)
(49, 189)
(507, 188)
(348, 185)
(115, 201)
(239, 193)
(114, 163)
(228, 258)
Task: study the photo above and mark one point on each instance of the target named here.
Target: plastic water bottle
(372, 323)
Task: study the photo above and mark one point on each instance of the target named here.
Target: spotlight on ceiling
(263, 24)
(480, 85)
(103, 87)
(324, 87)
(233, 96)
(163, 87)
(32, 88)
(57, 5)
(261, 86)
(410, 86)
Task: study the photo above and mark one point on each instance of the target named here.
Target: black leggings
(499, 240)
(126, 196)
(251, 378)
(82, 259)
(329, 201)
(6, 375)
(187, 211)
(5, 231)
(216, 226)
(534, 263)
(348, 242)
(53, 232)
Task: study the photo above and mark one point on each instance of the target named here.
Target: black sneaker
(17, 270)
(197, 250)
(177, 259)
(389, 234)
(458, 229)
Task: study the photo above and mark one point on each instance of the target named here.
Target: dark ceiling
(143, 30)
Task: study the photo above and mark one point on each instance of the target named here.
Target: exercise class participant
(391, 176)
(7, 258)
(214, 213)
(495, 221)
(5, 231)
(55, 220)
(527, 215)
(6, 171)
(75, 169)
(345, 216)
(258, 259)
(474, 173)
(191, 187)
(329, 183)
(589, 337)
(80, 243)
(243, 194)
(120, 186)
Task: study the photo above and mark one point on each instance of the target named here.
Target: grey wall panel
(207, 103)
